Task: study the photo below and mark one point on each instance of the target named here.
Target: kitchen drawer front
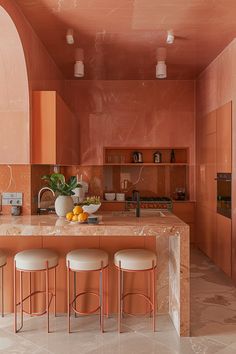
(113, 206)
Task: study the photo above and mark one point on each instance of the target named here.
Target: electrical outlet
(12, 198)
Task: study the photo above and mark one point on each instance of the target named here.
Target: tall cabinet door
(214, 155)
(223, 138)
(223, 247)
(223, 244)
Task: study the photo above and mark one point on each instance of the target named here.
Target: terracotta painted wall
(215, 87)
(16, 178)
(133, 113)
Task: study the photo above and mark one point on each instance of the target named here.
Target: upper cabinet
(224, 138)
(55, 131)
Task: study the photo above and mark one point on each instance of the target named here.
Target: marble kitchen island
(159, 231)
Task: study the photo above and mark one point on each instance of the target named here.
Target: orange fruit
(69, 216)
(75, 218)
(82, 217)
(77, 210)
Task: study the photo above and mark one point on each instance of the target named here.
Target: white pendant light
(161, 72)
(170, 37)
(79, 69)
(79, 65)
(70, 36)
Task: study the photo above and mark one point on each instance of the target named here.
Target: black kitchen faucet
(136, 197)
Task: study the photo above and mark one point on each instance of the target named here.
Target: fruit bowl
(91, 208)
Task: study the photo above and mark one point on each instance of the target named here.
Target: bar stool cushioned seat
(135, 259)
(36, 259)
(3, 258)
(87, 259)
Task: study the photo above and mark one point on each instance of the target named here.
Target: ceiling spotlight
(79, 65)
(170, 37)
(161, 72)
(79, 69)
(70, 36)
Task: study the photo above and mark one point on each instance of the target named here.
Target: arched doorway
(14, 95)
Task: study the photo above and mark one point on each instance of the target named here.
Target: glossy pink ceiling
(120, 37)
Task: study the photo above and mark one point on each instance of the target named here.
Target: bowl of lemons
(77, 215)
(80, 214)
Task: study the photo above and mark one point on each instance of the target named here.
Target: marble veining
(110, 224)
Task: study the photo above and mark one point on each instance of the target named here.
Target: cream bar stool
(3, 262)
(33, 261)
(136, 260)
(87, 260)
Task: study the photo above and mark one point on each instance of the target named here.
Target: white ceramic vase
(63, 205)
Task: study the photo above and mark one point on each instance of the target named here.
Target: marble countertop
(151, 223)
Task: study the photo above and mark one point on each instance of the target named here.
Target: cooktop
(150, 199)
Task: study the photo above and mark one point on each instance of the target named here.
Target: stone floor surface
(213, 325)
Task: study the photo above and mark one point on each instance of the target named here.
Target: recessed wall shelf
(124, 156)
(162, 178)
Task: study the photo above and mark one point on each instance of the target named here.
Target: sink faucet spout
(40, 193)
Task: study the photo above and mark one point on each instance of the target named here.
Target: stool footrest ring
(138, 294)
(73, 303)
(33, 294)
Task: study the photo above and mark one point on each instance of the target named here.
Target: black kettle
(137, 157)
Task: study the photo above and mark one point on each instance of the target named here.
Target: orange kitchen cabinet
(113, 206)
(223, 244)
(55, 131)
(224, 138)
(213, 231)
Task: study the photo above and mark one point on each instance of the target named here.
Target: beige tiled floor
(213, 325)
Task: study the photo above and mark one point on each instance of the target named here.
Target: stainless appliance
(137, 157)
(224, 194)
(160, 203)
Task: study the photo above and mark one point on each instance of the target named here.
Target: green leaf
(57, 182)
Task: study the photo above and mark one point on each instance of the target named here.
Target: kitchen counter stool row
(77, 261)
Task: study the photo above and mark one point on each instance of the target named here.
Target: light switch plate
(15, 198)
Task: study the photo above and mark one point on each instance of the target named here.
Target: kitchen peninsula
(159, 231)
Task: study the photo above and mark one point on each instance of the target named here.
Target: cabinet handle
(222, 179)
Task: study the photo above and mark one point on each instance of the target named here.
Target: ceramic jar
(63, 205)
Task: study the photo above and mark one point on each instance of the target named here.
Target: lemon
(82, 217)
(69, 216)
(77, 210)
(74, 218)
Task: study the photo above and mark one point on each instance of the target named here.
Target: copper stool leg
(75, 291)
(154, 297)
(107, 292)
(101, 287)
(68, 295)
(21, 299)
(55, 292)
(30, 290)
(122, 292)
(119, 298)
(2, 291)
(15, 308)
(47, 295)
